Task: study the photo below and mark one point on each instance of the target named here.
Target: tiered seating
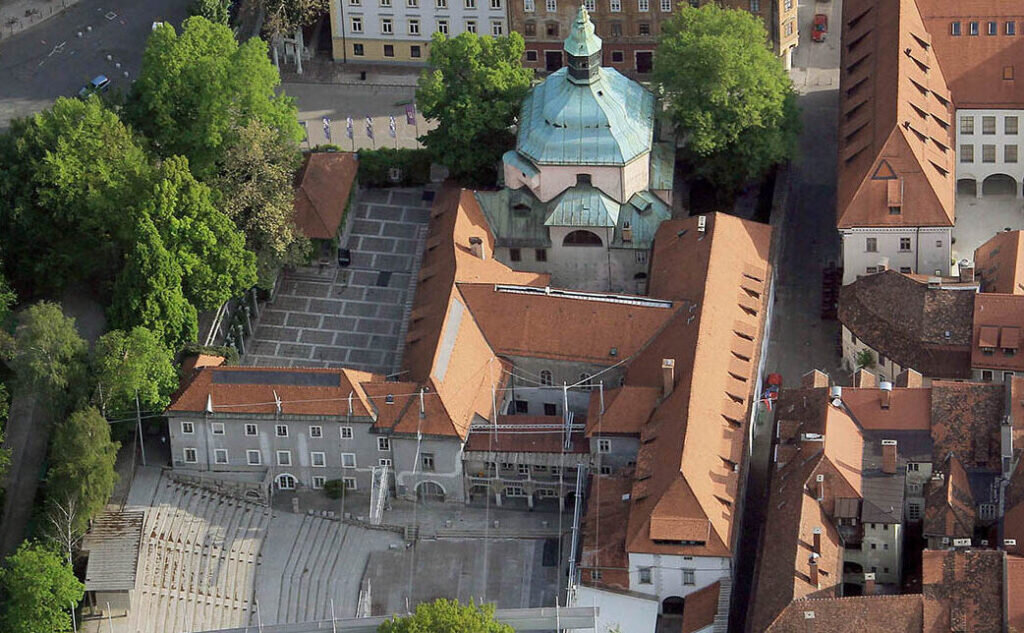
(198, 561)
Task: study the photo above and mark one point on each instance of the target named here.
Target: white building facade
(924, 250)
(989, 147)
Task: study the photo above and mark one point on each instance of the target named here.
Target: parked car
(344, 257)
(98, 85)
(819, 28)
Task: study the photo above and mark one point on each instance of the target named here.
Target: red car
(819, 28)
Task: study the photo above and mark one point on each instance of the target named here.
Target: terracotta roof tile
(965, 420)
(627, 409)
(325, 183)
(999, 263)
(604, 532)
(1015, 592)
(895, 120)
(927, 329)
(962, 590)
(949, 504)
(894, 614)
(1013, 518)
(997, 322)
(909, 408)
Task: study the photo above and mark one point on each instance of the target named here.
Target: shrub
(375, 164)
(229, 353)
(334, 488)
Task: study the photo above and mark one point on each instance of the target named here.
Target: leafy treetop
(49, 354)
(82, 460)
(447, 616)
(38, 588)
(126, 364)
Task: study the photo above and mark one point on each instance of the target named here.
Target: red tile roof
(962, 590)
(627, 410)
(999, 263)
(966, 418)
(861, 614)
(909, 408)
(998, 319)
(604, 532)
(949, 504)
(896, 120)
(324, 186)
(1015, 592)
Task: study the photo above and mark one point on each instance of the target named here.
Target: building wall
(885, 368)
(580, 267)
(992, 375)
(409, 469)
(621, 452)
(621, 27)
(526, 382)
(977, 168)
(490, 17)
(617, 182)
(617, 611)
(667, 573)
(887, 540)
(614, 270)
(299, 442)
(927, 251)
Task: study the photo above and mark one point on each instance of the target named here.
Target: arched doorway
(285, 481)
(673, 605)
(429, 491)
(582, 238)
(999, 185)
(967, 187)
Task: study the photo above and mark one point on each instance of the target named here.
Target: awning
(989, 336)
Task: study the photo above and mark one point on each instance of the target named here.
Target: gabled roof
(324, 184)
(627, 410)
(949, 504)
(583, 205)
(999, 263)
(688, 488)
(893, 614)
(895, 131)
(909, 409)
(973, 65)
(966, 419)
(998, 323)
(927, 329)
(962, 590)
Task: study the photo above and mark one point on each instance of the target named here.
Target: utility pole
(138, 428)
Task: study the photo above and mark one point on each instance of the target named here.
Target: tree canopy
(197, 89)
(216, 11)
(129, 363)
(474, 90)
(38, 590)
(727, 93)
(49, 354)
(285, 16)
(447, 616)
(82, 458)
(255, 191)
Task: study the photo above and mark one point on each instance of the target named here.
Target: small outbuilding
(113, 549)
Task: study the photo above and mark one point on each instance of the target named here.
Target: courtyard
(352, 317)
(978, 219)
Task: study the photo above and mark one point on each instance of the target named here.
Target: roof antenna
(277, 401)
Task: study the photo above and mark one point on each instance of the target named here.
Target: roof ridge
(854, 598)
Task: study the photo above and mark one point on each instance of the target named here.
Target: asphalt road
(50, 60)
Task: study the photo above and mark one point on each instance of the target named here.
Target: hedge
(375, 164)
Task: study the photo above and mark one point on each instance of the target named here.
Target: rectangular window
(966, 153)
(346, 432)
(604, 446)
(281, 430)
(1010, 124)
(316, 431)
(871, 270)
(217, 428)
(755, 6)
(955, 28)
(529, 6)
(988, 153)
(992, 28)
(385, 3)
(318, 482)
(383, 444)
(789, 28)
(530, 30)
(414, 27)
(540, 254)
(986, 375)
(666, 6)
(871, 244)
(514, 254)
(412, 4)
(387, 26)
(284, 458)
(497, 28)
(318, 459)
(988, 125)
(349, 482)
(550, 408)
(615, 6)
(788, 5)
(523, 469)
(253, 458)
(427, 462)
(355, 3)
(384, 461)
(531, 56)
(357, 50)
(389, 50)
(643, 5)
(644, 28)
(595, 574)
(904, 243)
(972, 28)
(220, 456)
(190, 455)
(967, 125)
(188, 428)
(645, 575)
(618, 56)
(551, 6)
(251, 430)
(442, 27)
(1011, 28)
(1008, 73)
(1009, 153)
(496, 4)
(441, 4)
(689, 577)
(470, 26)
(348, 460)
(906, 270)
(591, 5)
(522, 407)
(914, 512)
(616, 29)
(469, 4)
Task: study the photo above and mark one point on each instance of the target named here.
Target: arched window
(582, 238)
(545, 378)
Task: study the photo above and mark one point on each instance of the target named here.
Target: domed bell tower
(584, 49)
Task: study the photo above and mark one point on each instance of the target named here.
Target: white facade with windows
(989, 150)
(923, 250)
(677, 576)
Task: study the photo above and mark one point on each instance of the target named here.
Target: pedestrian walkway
(18, 15)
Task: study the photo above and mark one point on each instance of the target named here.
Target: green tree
(197, 89)
(148, 292)
(5, 454)
(287, 16)
(255, 186)
(38, 590)
(70, 178)
(49, 354)
(82, 458)
(865, 359)
(7, 301)
(129, 363)
(216, 11)
(447, 616)
(203, 241)
(727, 93)
(474, 91)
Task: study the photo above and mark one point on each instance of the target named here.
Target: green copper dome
(582, 41)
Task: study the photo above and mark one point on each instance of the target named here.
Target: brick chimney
(816, 537)
(476, 246)
(864, 379)
(909, 378)
(869, 584)
(889, 457)
(812, 566)
(966, 273)
(814, 379)
(668, 376)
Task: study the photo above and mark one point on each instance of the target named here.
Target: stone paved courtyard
(351, 317)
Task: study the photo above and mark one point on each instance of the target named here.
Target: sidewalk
(326, 71)
(18, 15)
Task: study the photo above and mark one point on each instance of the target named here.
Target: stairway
(721, 624)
